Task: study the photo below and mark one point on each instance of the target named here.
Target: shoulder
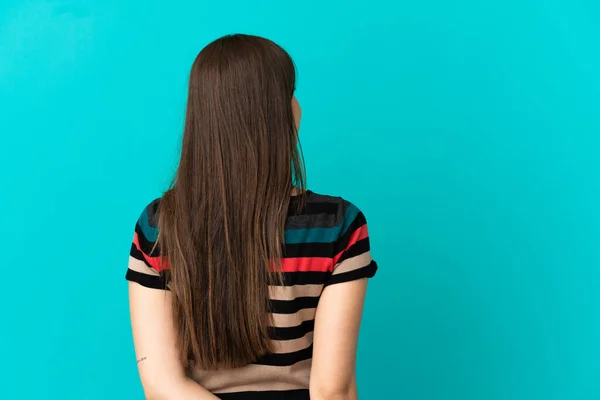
(145, 263)
(348, 215)
(147, 223)
(352, 250)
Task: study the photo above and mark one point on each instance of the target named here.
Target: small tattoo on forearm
(141, 359)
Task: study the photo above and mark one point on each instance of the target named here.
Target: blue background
(467, 131)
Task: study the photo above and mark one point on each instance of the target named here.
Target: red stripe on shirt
(307, 264)
(359, 234)
(155, 262)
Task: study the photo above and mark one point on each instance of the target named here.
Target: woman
(244, 285)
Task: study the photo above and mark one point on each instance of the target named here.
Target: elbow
(150, 395)
(159, 389)
(155, 392)
(329, 391)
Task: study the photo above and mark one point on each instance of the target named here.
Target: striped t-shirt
(326, 242)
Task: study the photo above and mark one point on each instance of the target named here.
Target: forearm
(327, 392)
(334, 396)
(193, 391)
(185, 389)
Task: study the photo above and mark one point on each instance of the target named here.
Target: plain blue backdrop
(467, 131)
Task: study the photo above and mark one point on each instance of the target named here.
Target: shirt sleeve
(145, 264)
(353, 251)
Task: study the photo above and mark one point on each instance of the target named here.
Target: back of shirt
(326, 242)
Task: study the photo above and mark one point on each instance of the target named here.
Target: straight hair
(221, 223)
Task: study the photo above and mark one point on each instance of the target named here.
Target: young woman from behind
(245, 285)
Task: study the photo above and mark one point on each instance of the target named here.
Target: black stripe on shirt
(292, 306)
(146, 245)
(285, 359)
(343, 240)
(364, 272)
(309, 249)
(138, 255)
(294, 332)
(358, 248)
(313, 208)
(149, 281)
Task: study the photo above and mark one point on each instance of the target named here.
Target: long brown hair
(221, 223)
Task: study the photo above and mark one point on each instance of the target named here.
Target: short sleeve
(145, 264)
(353, 258)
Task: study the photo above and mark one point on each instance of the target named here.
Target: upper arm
(155, 340)
(339, 312)
(337, 323)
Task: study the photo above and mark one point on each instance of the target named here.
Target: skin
(337, 323)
